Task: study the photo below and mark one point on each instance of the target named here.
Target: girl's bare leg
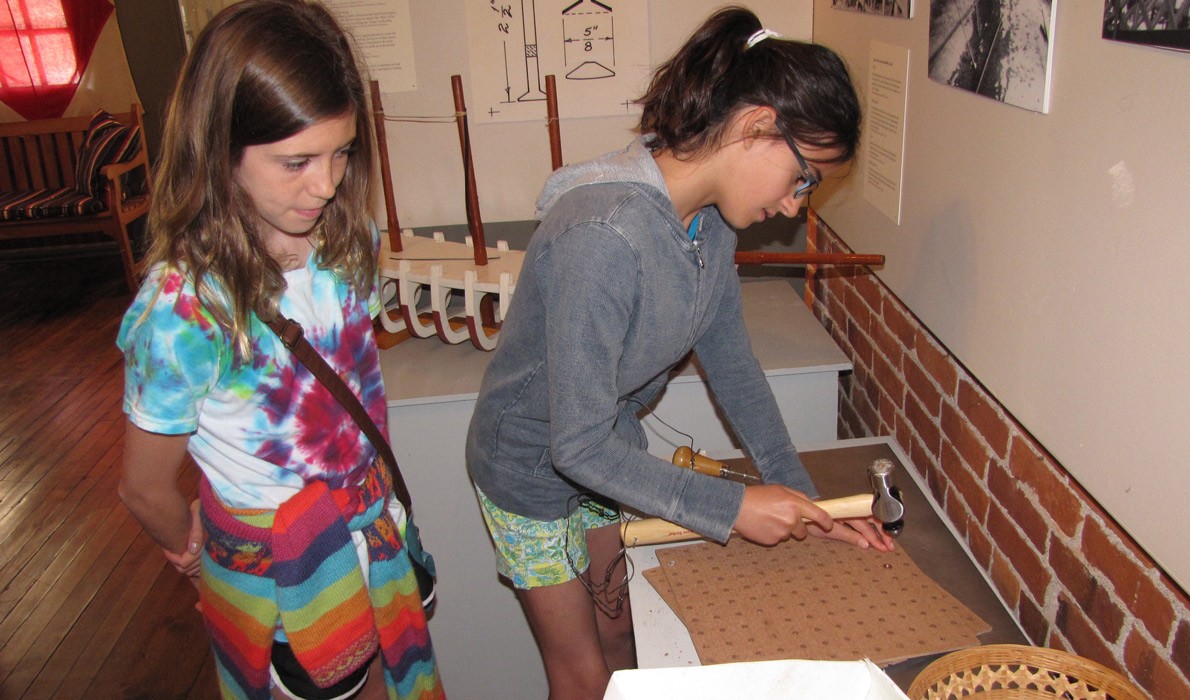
(615, 627)
(580, 642)
(563, 621)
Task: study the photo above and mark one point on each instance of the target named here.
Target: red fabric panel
(26, 93)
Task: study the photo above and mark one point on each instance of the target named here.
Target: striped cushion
(107, 142)
(39, 204)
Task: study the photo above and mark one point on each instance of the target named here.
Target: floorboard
(88, 606)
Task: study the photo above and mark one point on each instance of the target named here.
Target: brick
(980, 545)
(893, 423)
(889, 380)
(816, 304)
(1153, 609)
(935, 480)
(1028, 464)
(870, 289)
(922, 386)
(886, 343)
(901, 324)
(858, 309)
(960, 434)
(918, 455)
(1031, 568)
(900, 429)
(924, 424)
(835, 310)
(1129, 577)
(1097, 602)
(1004, 576)
(1057, 641)
(815, 291)
(985, 415)
(838, 333)
(1083, 637)
(968, 486)
(1180, 651)
(861, 346)
(937, 362)
(865, 411)
(938, 486)
(1033, 621)
(849, 423)
(1149, 669)
(1072, 573)
(1004, 489)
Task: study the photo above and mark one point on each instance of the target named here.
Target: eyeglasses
(809, 181)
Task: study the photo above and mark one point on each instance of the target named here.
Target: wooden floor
(88, 607)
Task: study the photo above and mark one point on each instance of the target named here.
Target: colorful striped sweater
(298, 564)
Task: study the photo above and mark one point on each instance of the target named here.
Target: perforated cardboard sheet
(815, 599)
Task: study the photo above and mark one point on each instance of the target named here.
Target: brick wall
(1069, 574)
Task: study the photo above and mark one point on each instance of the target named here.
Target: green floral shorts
(534, 553)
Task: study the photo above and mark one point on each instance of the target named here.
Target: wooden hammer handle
(634, 533)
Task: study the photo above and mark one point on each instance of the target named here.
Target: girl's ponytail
(689, 97)
(693, 95)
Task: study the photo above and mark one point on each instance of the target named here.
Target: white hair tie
(759, 36)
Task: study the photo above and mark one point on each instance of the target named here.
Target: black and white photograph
(1161, 23)
(1002, 49)
(902, 9)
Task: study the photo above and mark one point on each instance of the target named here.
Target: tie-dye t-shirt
(261, 430)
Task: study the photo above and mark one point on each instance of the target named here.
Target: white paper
(597, 51)
(888, 75)
(384, 35)
(759, 680)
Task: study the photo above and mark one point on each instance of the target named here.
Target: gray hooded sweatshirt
(613, 294)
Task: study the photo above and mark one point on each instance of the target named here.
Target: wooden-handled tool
(688, 458)
(883, 503)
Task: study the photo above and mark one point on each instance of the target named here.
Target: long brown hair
(261, 71)
(693, 95)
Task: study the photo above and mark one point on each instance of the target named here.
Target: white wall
(513, 159)
(1066, 300)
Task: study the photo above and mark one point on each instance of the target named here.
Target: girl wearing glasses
(631, 269)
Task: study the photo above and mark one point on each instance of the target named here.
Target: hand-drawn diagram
(598, 52)
(533, 80)
(588, 28)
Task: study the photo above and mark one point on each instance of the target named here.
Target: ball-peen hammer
(883, 503)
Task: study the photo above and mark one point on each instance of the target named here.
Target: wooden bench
(39, 157)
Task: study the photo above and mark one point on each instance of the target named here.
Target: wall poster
(902, 9)
(597, 51)
(1002, 50)
(384, 36)
(884, 161)
(1161, 24)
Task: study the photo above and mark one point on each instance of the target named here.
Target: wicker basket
(1014, 671)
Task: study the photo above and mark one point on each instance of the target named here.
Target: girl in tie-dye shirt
(261, 210)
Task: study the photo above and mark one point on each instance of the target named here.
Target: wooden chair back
(42, 153)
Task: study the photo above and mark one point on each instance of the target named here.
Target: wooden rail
(764, 258)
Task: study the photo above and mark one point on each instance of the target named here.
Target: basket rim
(1047, 658)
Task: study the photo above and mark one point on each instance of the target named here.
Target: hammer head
(886, 504)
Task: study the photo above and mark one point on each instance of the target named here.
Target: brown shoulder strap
(291, 334)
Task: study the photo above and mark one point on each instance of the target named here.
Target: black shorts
(293, 679)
